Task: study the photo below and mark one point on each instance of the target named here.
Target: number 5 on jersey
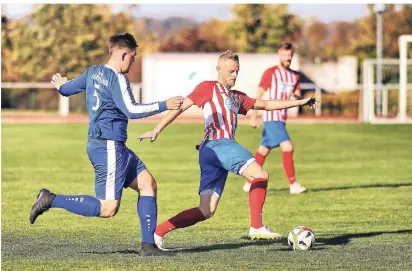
(96, 91)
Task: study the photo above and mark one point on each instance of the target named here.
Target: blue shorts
(216, 159)
(115, 167)
(274, 133)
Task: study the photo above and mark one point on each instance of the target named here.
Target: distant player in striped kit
(281, 83)
(110, 103)
(219, 153)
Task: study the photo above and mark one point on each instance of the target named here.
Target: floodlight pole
(379, 9)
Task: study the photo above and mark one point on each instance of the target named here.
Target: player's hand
(57, 80)
(254, 123)
(151, 134)
(174, 103)
(312, 102)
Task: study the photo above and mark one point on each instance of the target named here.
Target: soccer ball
(301, 237)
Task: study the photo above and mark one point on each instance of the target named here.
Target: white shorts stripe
(209, 192)
(111, 170)
(244, 167)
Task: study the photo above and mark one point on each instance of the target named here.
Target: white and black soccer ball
(301, 238)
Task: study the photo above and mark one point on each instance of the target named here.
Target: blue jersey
(110, 102)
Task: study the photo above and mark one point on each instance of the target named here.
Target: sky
(203, 12)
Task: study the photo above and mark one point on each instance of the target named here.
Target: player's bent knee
(108, 212)
(148, 185)
(262, 175)
(109, 209)
(263, 150)
(208, 213)
(287, 146)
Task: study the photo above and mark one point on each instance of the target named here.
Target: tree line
(67, 38)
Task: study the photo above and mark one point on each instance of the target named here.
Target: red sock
(260, 158)
(288, 166)
(182, 220)
(257, 195)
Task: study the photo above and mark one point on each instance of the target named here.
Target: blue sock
(147, 211)
(78, 204)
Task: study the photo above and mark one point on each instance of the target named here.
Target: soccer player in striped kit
(281, 83)
(110, 103)
(219, 153)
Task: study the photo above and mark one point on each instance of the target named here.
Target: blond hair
(229, 55)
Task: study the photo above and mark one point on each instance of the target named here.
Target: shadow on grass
(125, 251)
(203, 248)
(249, 243)
(226, 246)
(378, 185)
(321, 243)
(346, 238)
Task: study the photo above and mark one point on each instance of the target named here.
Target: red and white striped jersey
(278, 84)
(220, 108)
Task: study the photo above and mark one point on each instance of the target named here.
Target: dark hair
(285, 46)
(122, 41)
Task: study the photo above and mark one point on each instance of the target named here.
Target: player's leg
(205, 210)
(209, 200)
(102, 155)
(257, 195)
(289, 167)
(237, 159)
(84, 205)
(212, 182)
(142, 181)
(266, 145)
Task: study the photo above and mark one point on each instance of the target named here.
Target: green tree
(60, 38)
(262, 27)
(339, 41)
(396, 21)
(208, 37)
(314, 38)
(8, 66)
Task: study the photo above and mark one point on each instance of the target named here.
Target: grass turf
(359, 204)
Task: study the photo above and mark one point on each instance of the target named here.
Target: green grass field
(359, 205)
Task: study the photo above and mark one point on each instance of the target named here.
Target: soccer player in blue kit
(110, 103)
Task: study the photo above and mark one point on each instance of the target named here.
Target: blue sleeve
(74, 86)
(124, 100)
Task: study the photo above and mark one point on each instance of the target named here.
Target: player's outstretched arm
(134, 110)
(68, 88)
(166, 120)
(283, 104)
(124, 100)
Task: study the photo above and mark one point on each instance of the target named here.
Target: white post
(379, 97)
(63, 106)
(136, 91)
(365, 93)
(368, 100)
(372, 88)
(403, 55)
(318, 97)
(384, 101)
(379, 9)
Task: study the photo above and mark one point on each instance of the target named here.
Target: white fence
(64, 102)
